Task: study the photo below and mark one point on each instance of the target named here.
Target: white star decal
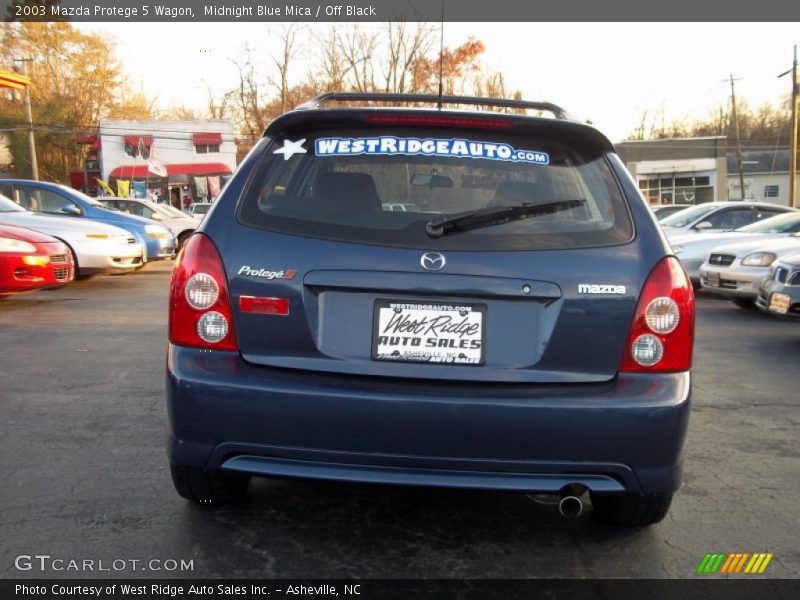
(291, 148)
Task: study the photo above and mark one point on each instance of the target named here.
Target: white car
(181, 225)
(96, 247)
(718, 216)
(692, 249)
(199, 210)
(736, 270)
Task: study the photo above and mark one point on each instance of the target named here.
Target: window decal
(455, 148)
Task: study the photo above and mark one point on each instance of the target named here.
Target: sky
(609, 73)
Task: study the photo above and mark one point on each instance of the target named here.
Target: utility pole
(29, 119)
(738, 138)
(793, 177)
(793, 159)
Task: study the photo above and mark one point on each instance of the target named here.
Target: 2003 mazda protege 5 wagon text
(425, 296)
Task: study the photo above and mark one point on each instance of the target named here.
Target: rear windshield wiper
(486, 217)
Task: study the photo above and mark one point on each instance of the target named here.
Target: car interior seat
(346, 192)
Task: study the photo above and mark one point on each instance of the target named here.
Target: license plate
(712, 279)
(779, 303)
(426, 332)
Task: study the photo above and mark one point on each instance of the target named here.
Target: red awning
(207, 139)
(140, 171)
(133, 140)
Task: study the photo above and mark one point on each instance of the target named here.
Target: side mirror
(157, 217)
(703, 225)
(72, 210)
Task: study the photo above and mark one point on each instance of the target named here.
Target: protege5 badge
(249, 271)
(591, 288)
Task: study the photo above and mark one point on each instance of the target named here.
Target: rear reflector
(428, 121)
(264, 306)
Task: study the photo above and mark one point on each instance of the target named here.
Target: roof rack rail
(319, 101)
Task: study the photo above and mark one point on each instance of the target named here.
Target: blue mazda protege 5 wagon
(388, 293)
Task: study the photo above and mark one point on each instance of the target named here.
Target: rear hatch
(392, 244)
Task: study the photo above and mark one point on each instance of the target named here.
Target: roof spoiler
(320, 101)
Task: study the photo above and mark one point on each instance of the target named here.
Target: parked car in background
(199, 210)
(30, 261)
(182, 226)
(719, 216)
(735, 271)
(662, 211)
(522, 326)
(692, 249)
(175, 212)
(96, 247)
(779, 293)
(57, 199)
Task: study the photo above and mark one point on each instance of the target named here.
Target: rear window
(382, 186)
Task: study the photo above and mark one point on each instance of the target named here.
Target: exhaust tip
(570, 507)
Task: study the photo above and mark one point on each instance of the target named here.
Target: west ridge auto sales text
(169, 590)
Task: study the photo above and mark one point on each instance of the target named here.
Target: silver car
(692, 249)
(779, 293)
(662, 211)
(736, 270)
(96, 247)
(719, 216)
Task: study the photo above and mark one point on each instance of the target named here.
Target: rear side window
(382, 186)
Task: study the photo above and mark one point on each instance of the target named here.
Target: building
(196, 158)
(678, 170)
(766, 175)
(705, 169)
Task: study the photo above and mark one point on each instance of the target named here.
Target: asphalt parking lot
(84, 471)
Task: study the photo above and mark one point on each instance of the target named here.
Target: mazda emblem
(432, 261)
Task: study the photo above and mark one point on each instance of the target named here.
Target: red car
(30, 260)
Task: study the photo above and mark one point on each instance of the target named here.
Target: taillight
(662, 333)
(200, 312)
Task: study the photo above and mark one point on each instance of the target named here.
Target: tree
(76, 82)
(288, 37)
(400, 57)
(766, 125)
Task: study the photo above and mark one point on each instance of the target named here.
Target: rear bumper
(624, 435)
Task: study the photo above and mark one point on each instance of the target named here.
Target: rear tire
(209, 487)
(632, 510)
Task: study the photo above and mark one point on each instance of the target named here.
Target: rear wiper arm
(486, 217)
